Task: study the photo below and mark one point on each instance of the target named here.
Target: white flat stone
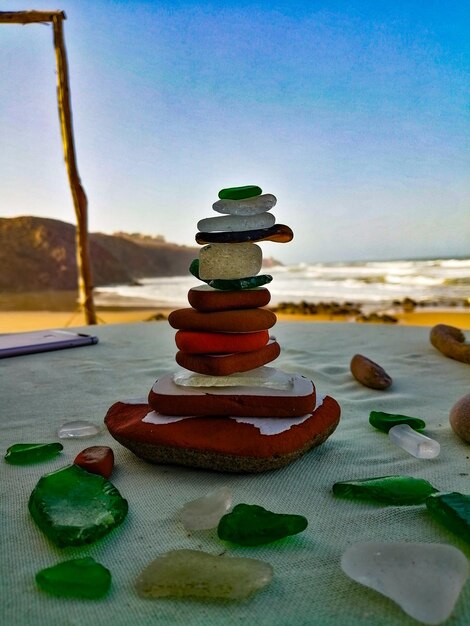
(424, 579)
(248, 206)
(236, 223)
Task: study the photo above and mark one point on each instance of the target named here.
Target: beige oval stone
(197, 574)
(459, 418)
(226, 261)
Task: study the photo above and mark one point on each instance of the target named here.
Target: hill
(39, 254)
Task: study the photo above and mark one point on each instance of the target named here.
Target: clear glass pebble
(206, 512)
(78, 429)
(236, 223)
(414, 443)
(424, 579)
(197, 574)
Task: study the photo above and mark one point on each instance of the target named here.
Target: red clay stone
(228, 363)
(205, 298)
(218, 443)
(167, 398)
(243, 321)
(220, 343)
(97, 460)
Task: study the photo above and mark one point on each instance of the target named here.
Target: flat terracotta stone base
(244, 321)
(218, 443)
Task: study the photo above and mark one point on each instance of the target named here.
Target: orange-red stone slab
(218, 443)
(205, 298)
(170, 399)
(242, 321)
(225, 364)
(195, 342)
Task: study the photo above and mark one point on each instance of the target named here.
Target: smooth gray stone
(249, 206)
(236, 223)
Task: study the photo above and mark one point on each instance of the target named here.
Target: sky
(353, 114)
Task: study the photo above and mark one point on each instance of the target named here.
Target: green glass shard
(252, 525)
(77, 578)
(25, 453)
(452, 510)
(400, 490)
(236, 284)
(74, 507)
(384, 421)
(239, 193)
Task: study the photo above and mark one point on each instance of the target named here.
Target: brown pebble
(459, 418)
(451, 342)
(368, 373)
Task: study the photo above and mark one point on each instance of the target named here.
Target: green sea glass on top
(252, 525)
(77, 578)
(385, 421)
(401, 490)
(452, 510)
(74, 507)
(235, 284)
(25, 453)
(239, 193)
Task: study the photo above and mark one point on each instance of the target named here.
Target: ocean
(375, 284)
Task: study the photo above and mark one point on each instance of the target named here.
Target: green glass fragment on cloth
(252, 525)
(74, 507)
(77, 578)
(239, 193)
(385, 421)
(452, 510)
(236, 284)
(401, 490)
(25, 453)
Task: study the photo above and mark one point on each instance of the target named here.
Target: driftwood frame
(80, 202)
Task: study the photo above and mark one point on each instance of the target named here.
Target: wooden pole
(85, 281)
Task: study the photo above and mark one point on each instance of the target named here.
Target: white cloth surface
(38, 393)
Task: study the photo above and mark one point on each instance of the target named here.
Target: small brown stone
(368, 373)
(97, 460)
(451, 342)
(459, 418)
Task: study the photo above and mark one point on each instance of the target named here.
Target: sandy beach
(20, 321)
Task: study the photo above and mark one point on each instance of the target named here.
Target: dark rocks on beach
(319, 308)
(382, 318)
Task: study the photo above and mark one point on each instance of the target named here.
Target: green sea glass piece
(239, 193)
(252, 525)
(77, 578)
(400, 490)
(452, 510)
(74, 507)
(235, 284)
(25, 453)
(384, 421)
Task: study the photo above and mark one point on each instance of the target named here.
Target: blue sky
(354, 114)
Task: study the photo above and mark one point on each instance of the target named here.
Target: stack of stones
(226, 409)
(226, 330)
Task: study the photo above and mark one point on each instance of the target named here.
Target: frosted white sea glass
(206, 512)
(415, 443)
(236, 223)
(264, 377)
(424, 579)
(78, 429)
(247, 206)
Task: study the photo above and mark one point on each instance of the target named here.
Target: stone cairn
(226, 330)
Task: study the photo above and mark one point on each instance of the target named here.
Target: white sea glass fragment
(424, 579)
(236, 223)
(247, 206)
(227, 261)
(205, 513)
(264, 377)
(78, 429)
(415, 443)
